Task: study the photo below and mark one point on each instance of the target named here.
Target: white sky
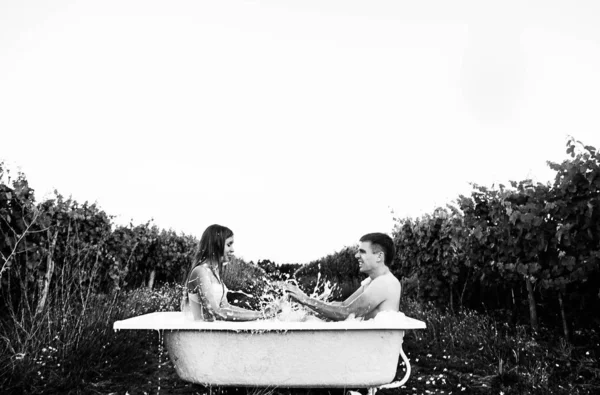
(298, 124)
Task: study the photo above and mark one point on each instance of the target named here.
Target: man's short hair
(381, 242)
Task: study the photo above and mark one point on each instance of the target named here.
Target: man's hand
(295, 293)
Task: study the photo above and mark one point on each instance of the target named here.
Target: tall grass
(71, 347)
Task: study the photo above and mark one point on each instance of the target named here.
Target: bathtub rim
(175, 320)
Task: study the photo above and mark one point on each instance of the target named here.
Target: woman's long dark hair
(210, 249)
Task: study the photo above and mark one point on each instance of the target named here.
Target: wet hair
(211, 248)
(380, 242)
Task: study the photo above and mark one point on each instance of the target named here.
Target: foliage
(339, 269)
(430, 248)
(278, 272)
(497, 258)
(575, 207)
(247, 283)
(506, 248)
(64, 269)
(42, 243)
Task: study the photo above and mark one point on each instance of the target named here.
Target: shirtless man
(379, 292)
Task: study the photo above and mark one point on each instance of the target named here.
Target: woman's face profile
(228, 251)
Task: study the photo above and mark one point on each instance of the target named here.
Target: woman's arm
(267, 312)
(202, 281)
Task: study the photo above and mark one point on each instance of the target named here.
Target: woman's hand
(270, 311)
(295, 293)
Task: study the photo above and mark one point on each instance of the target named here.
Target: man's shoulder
(387, 280)
(388, 277)
(391, 283)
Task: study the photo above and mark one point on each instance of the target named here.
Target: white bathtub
(282, 354)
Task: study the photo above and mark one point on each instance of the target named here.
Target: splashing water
(316, 290)
(293, 312)
(290, 311)
(328, 288)
(273, 297)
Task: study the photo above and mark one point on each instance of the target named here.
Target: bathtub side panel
(286, 359)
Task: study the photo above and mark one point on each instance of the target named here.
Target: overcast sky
(299, 124)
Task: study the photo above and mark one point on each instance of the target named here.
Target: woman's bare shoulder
(200, 274)
(201, 270)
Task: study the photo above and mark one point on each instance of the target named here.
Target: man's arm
(360, 303)
(350, 298)
(353, 297)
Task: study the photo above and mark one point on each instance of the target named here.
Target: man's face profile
(367, 258)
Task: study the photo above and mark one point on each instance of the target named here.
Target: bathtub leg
(395, 384)
(370, 391)
(400, 383)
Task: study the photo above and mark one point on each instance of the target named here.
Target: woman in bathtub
(205, 294)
